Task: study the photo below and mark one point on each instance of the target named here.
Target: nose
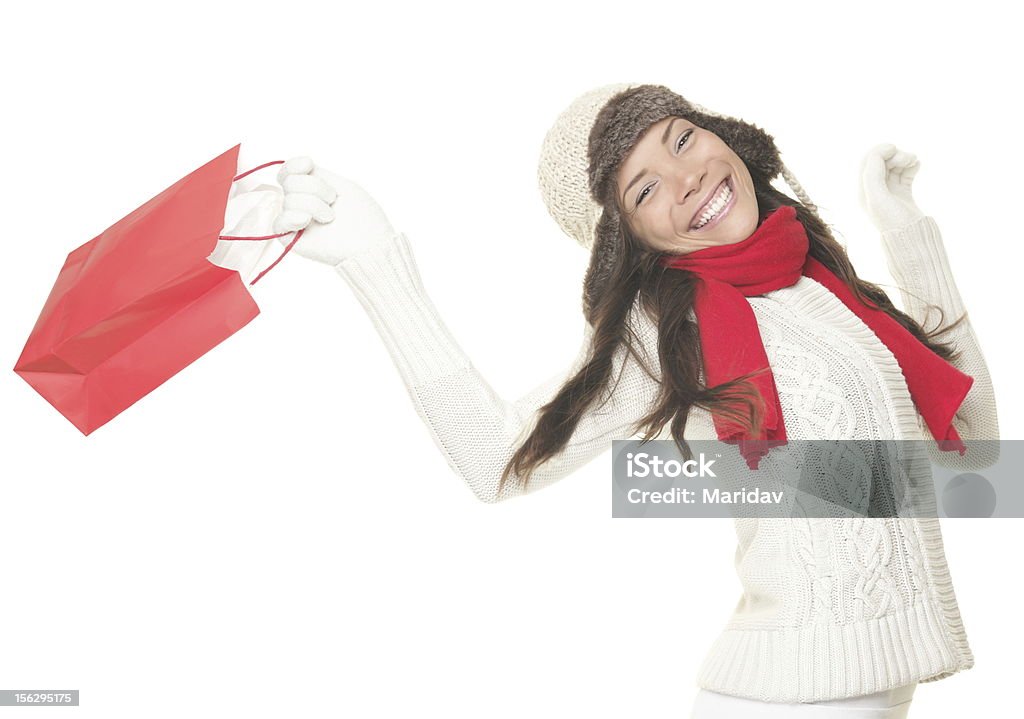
(687, 182)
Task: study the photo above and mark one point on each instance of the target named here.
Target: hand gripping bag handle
(290, 245)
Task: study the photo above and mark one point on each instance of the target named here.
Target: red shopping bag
(139, 302)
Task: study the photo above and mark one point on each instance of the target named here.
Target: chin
(730, 234)
(743, 227)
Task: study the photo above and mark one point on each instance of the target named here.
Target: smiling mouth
(716, 208)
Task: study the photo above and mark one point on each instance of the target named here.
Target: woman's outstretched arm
(917, 261)
(476, 429)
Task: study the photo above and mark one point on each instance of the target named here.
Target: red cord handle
(265, 237)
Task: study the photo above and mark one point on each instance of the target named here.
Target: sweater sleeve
(477, 430)
(917, 261)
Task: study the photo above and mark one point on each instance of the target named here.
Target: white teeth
(720, 201)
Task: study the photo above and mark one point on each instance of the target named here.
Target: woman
(837, 617)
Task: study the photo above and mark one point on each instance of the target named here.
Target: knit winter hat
(584, 148)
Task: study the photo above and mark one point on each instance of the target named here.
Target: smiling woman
(716, 307)
(749, 315)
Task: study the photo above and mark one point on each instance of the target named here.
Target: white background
(272, 532)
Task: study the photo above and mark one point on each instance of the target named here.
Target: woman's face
(671, 192)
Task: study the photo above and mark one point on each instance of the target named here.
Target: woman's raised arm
(917, 261)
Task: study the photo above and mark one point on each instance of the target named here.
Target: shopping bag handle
(265, 237)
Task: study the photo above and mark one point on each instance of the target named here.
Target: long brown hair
(667, 296)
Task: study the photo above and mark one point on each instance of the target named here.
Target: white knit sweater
(831, 608)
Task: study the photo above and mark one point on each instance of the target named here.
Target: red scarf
(773, 257)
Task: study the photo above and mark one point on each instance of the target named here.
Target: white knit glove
(339, 217)
(887, 174)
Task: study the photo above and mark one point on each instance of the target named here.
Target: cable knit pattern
(831, 608)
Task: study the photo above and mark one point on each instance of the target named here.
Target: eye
(646, 190)
(642, 194)
(683, 138)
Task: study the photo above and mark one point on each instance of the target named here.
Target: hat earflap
(609, 246)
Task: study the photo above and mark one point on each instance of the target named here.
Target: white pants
(889, 704)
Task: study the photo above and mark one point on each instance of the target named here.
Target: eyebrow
(664, 139)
